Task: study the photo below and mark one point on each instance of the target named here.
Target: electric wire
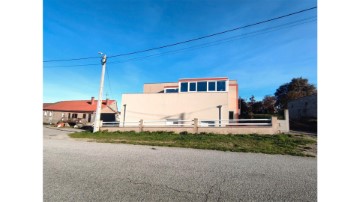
(208, 44)
(190, 40)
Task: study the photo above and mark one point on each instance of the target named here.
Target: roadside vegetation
(298, 145)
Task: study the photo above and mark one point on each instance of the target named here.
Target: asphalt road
(86, 171)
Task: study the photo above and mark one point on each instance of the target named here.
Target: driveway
(87, 171)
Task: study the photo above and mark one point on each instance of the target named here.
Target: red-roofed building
(79, 110)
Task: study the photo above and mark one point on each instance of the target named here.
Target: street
(76, 170)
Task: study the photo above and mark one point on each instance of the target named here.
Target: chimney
(107, 101)
(92, 101)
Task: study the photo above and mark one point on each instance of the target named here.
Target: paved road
(86, 171)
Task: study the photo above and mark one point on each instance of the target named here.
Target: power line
(208, 44)
(195, 39)
(58, 60)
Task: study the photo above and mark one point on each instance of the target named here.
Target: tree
(269, 104)
(298, 87)
(243, 108)
(251, 106)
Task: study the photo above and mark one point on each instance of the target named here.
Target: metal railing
(191, 123)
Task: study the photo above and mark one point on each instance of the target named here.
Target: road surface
(86, 171)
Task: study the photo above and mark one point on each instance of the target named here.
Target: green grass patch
(269, 144)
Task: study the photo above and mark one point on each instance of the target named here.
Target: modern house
(80, 111)
(202, 98)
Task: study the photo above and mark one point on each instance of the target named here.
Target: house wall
(184, 106)
(57, 116)
(233, 99)
(304, 107)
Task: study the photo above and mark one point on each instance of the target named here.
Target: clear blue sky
(259, 62)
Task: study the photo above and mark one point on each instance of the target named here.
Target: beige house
(79, 111)
(202, 98)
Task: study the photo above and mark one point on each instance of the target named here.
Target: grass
(269, 144)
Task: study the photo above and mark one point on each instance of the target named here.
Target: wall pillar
(287, 124)
(196, 125)
(141, 125)
(275, 124)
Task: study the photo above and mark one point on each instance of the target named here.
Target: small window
(84, 116)
(184, 87)
(192, 87)
(171, 90)
(50, 113)
(62, 115)
(45, 113)
(211, 85)
(74, 116)
(202, 86)
(221, 86)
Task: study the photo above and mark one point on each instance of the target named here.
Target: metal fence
(191, 123)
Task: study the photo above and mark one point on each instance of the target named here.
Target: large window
(192, 86)
(184, 87)
(211, 85)
(221, 86)
(201, 86)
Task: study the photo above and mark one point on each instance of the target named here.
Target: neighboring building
(201, 98)
(79, 110)
(304, 107)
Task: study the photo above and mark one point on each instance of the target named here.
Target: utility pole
(99, 102)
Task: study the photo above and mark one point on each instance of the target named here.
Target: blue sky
(260, 62)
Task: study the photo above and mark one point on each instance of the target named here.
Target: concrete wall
(284, 125)
(157, 87)
(304, 107)
(233, 99)
(183, 106)
(273, 129)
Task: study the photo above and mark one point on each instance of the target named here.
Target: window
(231, 115)
(202, 86)
(171, 90)
(74, 116)
(45, 113)
(192, 86)
(184, 87)
(211, 85)
(62, 115)
(50, 113)
(221, 86)
(84, 116)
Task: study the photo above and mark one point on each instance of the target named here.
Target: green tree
(298, 87)
(243, 108)
(269, 104)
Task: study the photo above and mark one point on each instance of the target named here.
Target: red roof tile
(76, 105)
